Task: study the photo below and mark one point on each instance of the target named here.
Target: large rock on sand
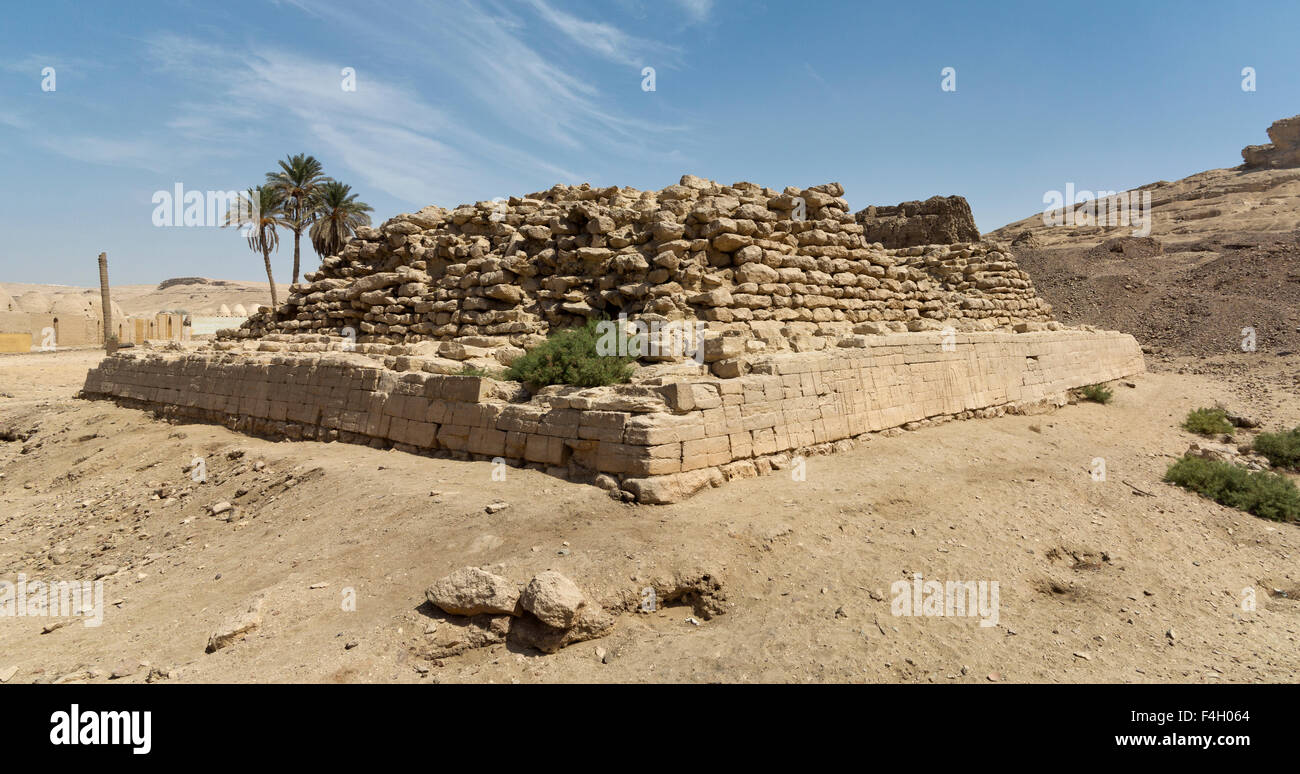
(471, 591)
(554, 599)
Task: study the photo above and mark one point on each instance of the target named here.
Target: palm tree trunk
(296, 236)
(266, 256)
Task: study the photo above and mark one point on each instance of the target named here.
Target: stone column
(110, 340)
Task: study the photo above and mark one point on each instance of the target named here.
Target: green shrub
(570, 357)
(469, 370)
(1267, 495)
(1282, 449)
(1097, 393)
(1208, 421)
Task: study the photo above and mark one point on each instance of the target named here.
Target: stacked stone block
(506, 273)
(659, 440)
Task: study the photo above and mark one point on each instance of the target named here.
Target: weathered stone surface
(237, 626)
(824, 389)
(553, 598)
(454, 635)
(664, 490)
(1282, 152)
(733, 255)
(938, 220)
(471, 591)
(589, 623)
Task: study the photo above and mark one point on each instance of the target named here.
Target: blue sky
(459, 101)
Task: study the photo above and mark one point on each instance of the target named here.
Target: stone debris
(492, 274)
(237, 626)
(590, 622)
(938, 220)
(158, 674)
(470, 591)
(553, 598)
(797, 335)
(1226, 452)
(478, 609)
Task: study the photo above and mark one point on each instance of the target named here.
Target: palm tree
(260, 215)
(298, 180)
(339, 214)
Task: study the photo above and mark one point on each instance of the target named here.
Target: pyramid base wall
(657, 441)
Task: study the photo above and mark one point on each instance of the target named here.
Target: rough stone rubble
(813, 338)
(1282, 152)
(743, 258)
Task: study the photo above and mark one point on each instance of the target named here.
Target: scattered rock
(158, 674)
(553, 598)
(588, 623)
(470, 591)
(237, 626)
(457, 634)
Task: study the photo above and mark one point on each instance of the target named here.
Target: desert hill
(193, 295)
(1222, 255)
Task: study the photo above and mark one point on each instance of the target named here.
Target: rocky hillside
(1222, 255)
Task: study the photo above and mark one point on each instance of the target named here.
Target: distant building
(36, 321)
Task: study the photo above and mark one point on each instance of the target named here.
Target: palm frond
(340, 215)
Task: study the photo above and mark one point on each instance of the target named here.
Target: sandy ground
(1096, 582)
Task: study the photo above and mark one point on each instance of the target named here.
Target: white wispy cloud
(383, 134)
(466, 99)
(606, 40)
(141, 154)
(494, 57)
(698, 10)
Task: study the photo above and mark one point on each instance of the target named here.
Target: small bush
(469, 370)
(1267, 495)
(1097, 393)
(1282, 449)
(1208, 421)
(570, 357)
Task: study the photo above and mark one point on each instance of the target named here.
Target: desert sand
(1097, 581)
